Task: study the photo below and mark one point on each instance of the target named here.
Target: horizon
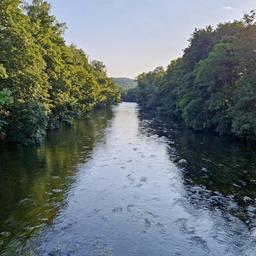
(135, 37)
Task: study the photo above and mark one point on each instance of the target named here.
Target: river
(124, 183)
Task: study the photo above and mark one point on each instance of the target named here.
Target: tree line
(44, 81)
(213, 85)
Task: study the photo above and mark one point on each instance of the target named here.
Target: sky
(135, 36)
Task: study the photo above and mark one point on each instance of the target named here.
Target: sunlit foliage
(48, 80)
(213, 85)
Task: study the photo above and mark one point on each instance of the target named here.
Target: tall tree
(212, 86)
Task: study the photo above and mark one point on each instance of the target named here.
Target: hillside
(125, 83)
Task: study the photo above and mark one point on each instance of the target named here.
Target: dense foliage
(127, 88)
(213, 85)
(42, 79)
(129, 95)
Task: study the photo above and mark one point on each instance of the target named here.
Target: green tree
(148, 88)
(108, 92)
(21, 56)
(49, 80)
(212, 86)
(5, 100)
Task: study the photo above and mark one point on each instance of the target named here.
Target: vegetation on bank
(127, 87)
(129, 95)
(213, 85)
(43, 81)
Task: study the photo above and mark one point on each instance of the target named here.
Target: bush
(27, 123)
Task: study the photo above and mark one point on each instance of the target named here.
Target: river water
(124, 183)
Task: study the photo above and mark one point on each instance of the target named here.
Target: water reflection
(35, 181)
(141, 186)
(218, 172)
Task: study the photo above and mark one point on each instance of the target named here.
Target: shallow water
(125, 183)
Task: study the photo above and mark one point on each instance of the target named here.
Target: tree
(148, 88)
(212, 86)
(5, 100)
(49, 80)
(21, 56)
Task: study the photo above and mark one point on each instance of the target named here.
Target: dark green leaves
(213, 85)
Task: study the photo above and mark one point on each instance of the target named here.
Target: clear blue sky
(133, 36)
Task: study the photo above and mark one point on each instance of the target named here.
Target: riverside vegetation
(43, 81)
(213, 85)
(123, 180)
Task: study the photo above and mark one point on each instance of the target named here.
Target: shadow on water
(218, 172)
(35, 181)
(60, 199)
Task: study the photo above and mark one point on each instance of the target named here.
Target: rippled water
(124, 183)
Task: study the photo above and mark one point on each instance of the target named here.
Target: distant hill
(125, 83)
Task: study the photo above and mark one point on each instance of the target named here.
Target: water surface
(125, 183)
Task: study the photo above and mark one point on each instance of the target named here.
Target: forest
(43, 80)
(213, 85)
(94, 161)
